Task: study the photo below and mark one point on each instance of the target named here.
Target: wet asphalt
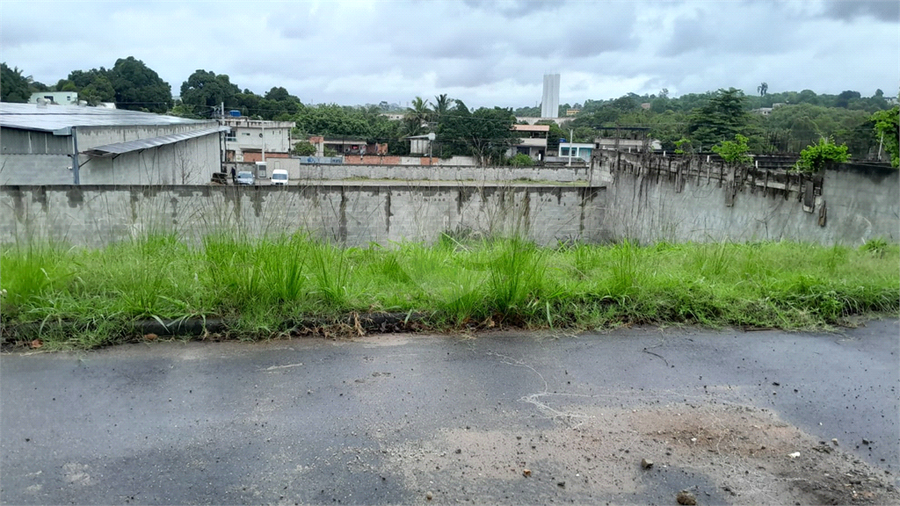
(277, 422)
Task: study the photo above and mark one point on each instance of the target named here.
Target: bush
(521, 160)
(814, 157)
(303, 148)
(734, 151)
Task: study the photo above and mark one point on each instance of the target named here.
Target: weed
(75, 298)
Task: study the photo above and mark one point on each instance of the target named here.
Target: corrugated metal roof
(125, 147)
(51, 118)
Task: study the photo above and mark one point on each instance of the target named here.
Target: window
(563, 151)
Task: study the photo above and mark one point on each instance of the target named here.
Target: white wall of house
(256, 135)
(56, 97)
(578, 150)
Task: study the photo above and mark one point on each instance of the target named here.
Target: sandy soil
(718, 453)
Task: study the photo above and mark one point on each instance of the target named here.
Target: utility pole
(75, 164)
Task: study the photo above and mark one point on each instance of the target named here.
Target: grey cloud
(756, 34)
(848, 10)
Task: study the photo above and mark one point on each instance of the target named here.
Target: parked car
(279, 177)
(245, 177)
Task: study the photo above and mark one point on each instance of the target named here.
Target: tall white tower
(550, 100)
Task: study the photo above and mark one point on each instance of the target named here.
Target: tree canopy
(719, 119)
(138, 87)
(15, 85)
(204, 92)
(887, 127)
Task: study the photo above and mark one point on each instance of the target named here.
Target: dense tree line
(772, 122)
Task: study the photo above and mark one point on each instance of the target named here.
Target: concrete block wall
(304, 172)
(94, 216)
(652, 199)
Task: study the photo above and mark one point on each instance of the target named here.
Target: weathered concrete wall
(650, 198)
(303, 172)
(98, 215)
(653, 198)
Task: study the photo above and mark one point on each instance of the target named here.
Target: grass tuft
(79, 298)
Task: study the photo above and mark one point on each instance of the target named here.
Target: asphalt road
(517, 418)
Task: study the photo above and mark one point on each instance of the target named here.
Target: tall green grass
(85, 298)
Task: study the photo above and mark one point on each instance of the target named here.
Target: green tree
(763, 88)
(138, 87)
(720, 118)
(204, 92)
(734, 152)
(303, 148)
(816, 156)
(489, 134)
(98, 90)
(14, 85)
(683, 146)
(845, 97)
(887, 128)
(442, 104)
(417, 117)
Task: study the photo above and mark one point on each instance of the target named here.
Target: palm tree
(762, 89)
(417, 116)
(441, 106)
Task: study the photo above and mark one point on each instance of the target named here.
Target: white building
(253, 140)
(55, 97)
(550, 97)
(581, 150)
(38, 145)
(532, 141)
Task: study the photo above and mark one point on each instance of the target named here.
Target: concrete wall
(306, 172)
(653, 198)
(98, 215)
(650, 198)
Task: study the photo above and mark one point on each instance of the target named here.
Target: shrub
(521, 160)
(814, 157)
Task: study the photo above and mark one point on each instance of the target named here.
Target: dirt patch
(720, 453)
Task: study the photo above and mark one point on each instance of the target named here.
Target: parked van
(279, 177)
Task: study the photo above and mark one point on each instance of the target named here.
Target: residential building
(55, 97)
(38, 145)
(532, 141)
(581, 150)
(253, 140)
(345, 147)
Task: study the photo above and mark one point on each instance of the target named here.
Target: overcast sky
(483, 52)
